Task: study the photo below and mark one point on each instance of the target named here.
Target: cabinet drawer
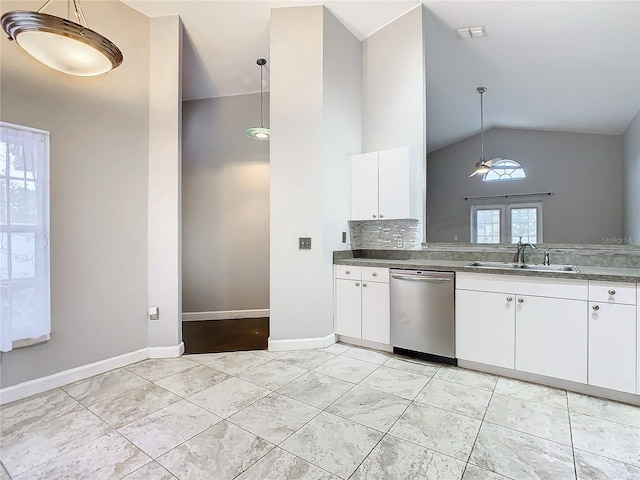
(521, 285)
(612, 292)
(375, 274)
(348, 272)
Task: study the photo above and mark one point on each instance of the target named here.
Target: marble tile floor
(337, 413)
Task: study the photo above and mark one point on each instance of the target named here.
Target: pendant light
(482, 166)
(259, 133)
(61, 44)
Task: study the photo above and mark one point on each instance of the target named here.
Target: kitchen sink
(502, 265)
(526, 266)
(550, 268)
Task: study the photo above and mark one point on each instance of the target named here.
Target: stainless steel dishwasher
(422, 314)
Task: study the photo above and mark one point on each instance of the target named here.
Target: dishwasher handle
(418, 278)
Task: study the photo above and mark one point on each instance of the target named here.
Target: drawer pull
(521, 300)
(596, 307)
(347, 272)
(357, 284)
(374, 274)
(364, 284)
(509, 299)
(612, 292)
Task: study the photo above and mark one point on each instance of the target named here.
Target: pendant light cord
(261, 117)
(76, 7)
(481, 90)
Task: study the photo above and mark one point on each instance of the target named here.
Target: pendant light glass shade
(259, 133)
(61, 44)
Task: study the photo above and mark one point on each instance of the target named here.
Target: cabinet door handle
(357, 284)
(381, 216)
(347, 272)
(374, 274)
(612, 292)
(364, 284)
(521, 300)
(596, 307)
(374, 216)
(509, 299)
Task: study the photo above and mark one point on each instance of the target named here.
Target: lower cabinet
(612, 336)
(528, 324)
(362, 304)
(551, 337)
(612, 346)
(485, 327)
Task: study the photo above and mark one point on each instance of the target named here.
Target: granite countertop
(612, 274)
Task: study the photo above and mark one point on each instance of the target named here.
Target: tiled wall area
(385, 234)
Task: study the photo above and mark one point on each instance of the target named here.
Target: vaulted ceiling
(550, 65)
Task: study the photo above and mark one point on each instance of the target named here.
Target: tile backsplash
(386, 234)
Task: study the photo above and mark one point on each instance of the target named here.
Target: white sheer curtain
(25, 316)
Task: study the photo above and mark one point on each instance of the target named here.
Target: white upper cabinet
(384, 185)
(364, 186)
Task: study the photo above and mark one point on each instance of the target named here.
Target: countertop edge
(612, 274)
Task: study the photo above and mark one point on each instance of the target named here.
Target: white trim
(173, 351)
(553, 382)
(301, 343)
(225, 314)
(39, 385)
(365, 343)
(15, 126)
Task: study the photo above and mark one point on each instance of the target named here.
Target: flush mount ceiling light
(259, 133)
(61, 44)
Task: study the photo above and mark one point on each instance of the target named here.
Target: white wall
(583, 171)
(394, 90)
(99, 159)
(165, 198)
(314, 80)
(631, 179)
(225, 215)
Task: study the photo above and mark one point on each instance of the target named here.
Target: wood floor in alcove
(212, 336)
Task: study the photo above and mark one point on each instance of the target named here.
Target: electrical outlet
(399, 242)
(304, 243)
(154, 313)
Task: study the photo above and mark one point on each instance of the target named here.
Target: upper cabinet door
(364, 186)
(395, 192)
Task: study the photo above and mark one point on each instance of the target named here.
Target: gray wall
(584, 172)
(316, 104)
(631, 175)
(225, 205)
(99, 155)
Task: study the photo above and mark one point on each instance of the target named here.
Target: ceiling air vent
(472, 32)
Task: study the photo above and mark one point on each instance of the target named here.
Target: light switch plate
(154, 313)
(304, 243)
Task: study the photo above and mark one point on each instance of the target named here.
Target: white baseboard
(301, 343)
(39, 385)
(365, 343)
(225, 314)
(167, 352)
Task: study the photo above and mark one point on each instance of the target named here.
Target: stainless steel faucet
(547, 260)
(519, 256)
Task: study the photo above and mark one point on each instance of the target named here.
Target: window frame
(505, 220)
(39, 328)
